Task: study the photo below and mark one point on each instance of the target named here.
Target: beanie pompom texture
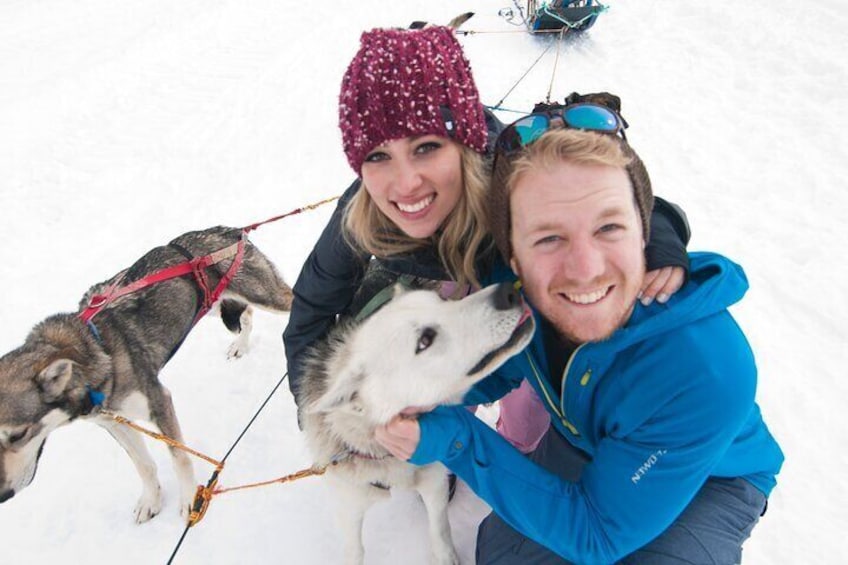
(396, 85)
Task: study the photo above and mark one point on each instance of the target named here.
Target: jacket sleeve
(326, 285)
(669, 236)
(636, 484)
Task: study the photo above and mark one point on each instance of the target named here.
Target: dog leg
(354, 501)
(150, 502)
(259, 283)
(432, 484)
(185, 477)
(239, 347)
(163, 415)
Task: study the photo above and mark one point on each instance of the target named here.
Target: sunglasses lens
(523, 132)
(589, 117)
(531, 128)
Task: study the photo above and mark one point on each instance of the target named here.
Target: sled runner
(575, 15)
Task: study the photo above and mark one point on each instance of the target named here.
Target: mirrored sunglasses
(583, 116)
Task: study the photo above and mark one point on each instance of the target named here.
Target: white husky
(416, 351)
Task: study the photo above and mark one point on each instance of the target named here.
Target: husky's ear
(53, 380)
(341, 393)
(459, 20)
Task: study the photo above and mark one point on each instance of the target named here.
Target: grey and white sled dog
(68, 370)
(416, 351)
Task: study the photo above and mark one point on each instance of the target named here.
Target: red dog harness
(196, 266)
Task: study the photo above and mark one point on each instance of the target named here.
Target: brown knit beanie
(499, 215)
(398, 84)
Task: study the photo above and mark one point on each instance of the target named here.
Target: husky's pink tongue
(413, 410)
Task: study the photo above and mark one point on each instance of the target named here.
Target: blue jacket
(666, 402)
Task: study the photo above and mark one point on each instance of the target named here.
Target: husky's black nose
(506, 297)
(6, 495)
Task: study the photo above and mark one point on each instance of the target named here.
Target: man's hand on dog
(400, 435)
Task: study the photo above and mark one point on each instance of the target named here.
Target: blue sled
(571, 15)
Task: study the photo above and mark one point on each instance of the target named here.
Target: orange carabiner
(202, 498)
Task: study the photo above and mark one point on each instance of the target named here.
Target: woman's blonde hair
(459, 241)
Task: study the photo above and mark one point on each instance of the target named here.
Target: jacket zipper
(559, 411)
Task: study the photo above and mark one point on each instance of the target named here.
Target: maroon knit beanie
(398, 84)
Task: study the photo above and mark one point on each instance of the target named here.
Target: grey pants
(710, 531)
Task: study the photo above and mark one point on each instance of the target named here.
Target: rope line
(510, 110)
(500, 31)
(556, 62)
(539, 58)
(179, 543)
(302, 474)
(252, 227)
(161, 437)
(204, 495)
(253, 419)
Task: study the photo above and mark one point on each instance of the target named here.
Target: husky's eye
(16, 436)
(425, 340)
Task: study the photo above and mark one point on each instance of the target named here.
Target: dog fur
(50, 380)
(416, 351)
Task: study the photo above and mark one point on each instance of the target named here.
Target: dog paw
(186, 505)
(147, 507)
(237, 350)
